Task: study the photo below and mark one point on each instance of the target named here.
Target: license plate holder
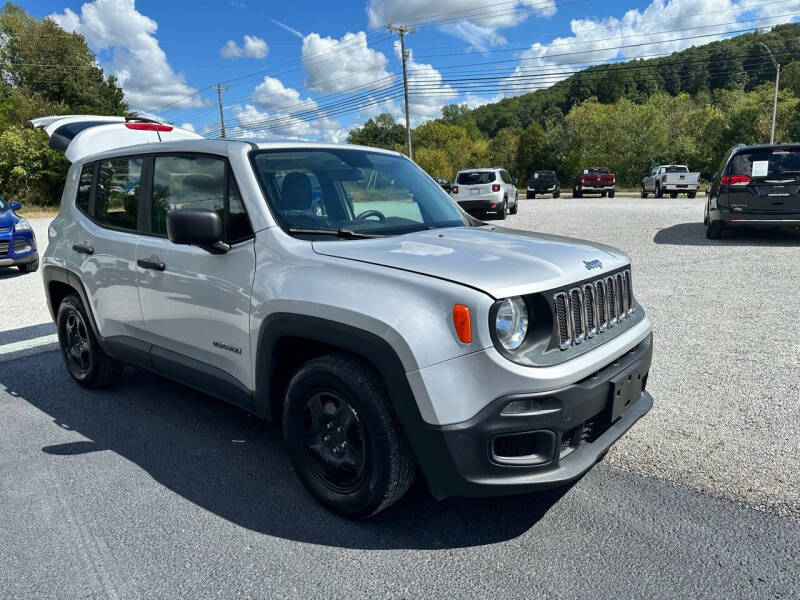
(625, 389)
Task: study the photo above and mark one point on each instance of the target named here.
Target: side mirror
(196, 227)
(514, 179)
(15, 205)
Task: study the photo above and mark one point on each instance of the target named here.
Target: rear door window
(85, 187)
(777, 163)
(117, 193)
(476, 177)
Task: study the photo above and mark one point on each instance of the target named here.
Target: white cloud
(253, 47)
(137, 60)
(647, 32)
(336, 65)
(273, 115)
(426, 93)
(188, 127)
(488, 17)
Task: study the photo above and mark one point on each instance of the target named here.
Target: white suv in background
(338, 291)
(489, 190)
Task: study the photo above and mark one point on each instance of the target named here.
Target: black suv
(756, 186)
(543, 182)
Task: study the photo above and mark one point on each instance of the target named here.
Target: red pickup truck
(594, 180)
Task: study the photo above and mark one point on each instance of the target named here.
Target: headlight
(511, 322)
(22, 225)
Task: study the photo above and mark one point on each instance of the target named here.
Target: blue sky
(313, 70)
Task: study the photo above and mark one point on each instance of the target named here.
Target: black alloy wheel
(335, 448)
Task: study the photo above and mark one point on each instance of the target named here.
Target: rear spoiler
(81, 135)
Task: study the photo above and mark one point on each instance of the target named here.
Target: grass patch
(37, 212)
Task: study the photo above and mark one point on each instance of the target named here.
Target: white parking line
(41, 343)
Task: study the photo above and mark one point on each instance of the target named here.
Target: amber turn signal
(462, 323)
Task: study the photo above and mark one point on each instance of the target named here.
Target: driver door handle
(151, 263)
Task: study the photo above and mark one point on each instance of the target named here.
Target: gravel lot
(153, 490)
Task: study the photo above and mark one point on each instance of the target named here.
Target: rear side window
(766, 164)
(117, 193)
(476, 177)
(196, 182)
(85, 187)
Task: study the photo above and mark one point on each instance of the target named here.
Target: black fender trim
(426, 442)
(51, 273)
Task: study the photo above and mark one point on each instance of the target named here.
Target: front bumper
(573, 428)
(20, 250)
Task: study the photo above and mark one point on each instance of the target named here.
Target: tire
(339, 403)
(557, 194)
(659, 193)
(85, 360)
(643, 193)
(602, 194)
(673, 194)
(530, 195)
(501, 214)
(612, 193)
(714, 230)
(576, 194)
(30, 267)
(691, 195)
(513, 210)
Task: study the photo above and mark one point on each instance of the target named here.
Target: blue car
(17, 240)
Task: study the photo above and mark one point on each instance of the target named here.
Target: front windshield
(357, 190)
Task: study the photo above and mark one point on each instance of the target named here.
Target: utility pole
(403, 30)
(219, 91)
(775, 99)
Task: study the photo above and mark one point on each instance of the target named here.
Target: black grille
(569, 441)
(4, 247)
(589, 304)
(514, 446)
(577, 316)
(20, 245)
(589, 310)
(612, 301)
(561, 315)
(602, 319)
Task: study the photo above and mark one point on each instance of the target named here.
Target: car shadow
(234, 465)
(694, 234)
(9, 272)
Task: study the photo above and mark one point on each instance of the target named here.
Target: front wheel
(673, 194)
(557, 194)
(643, 193)
(83, 357)
(30, 267)
(611, 194)
(577, 194)
(343, 437)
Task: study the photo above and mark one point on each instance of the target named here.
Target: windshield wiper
(347, 234)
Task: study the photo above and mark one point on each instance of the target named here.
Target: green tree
(29, 170)
(380, 132)
(503, 149)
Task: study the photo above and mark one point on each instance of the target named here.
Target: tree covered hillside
(688, 108)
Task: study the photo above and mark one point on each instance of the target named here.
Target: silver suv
(339, 291)
(489, 190)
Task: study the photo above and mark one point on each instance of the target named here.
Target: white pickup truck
(672, 180)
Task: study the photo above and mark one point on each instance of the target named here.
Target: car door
(195, 303)
(650, 180)
(104, 237)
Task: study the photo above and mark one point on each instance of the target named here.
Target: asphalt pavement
(152, 490)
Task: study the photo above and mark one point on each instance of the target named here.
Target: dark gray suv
(756, 186)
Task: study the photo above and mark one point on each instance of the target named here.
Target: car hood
(501, 262)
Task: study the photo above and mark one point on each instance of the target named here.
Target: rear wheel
(611, 194)
(30, 267)
(557, 194)
(602, 194)
(659, 192)
(343, 437)
(691, 195)
(714, 230)
(673, 194)
(501, 214)
(83, 357)
(576, 194)
(513, 210)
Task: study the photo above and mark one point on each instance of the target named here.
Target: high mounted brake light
(734, 180)
(148, 127)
